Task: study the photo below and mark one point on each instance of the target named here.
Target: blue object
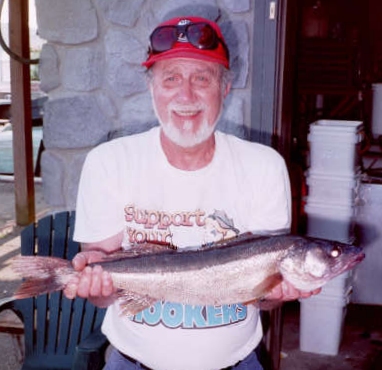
(59, 333)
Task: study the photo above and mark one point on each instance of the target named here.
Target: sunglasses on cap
(200, 35)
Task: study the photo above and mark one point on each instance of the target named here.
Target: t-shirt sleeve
(276, 203)
(264, 197)
(98, 210)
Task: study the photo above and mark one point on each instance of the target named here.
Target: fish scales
(236, 271)
(211, 284)
(219, 273)
(195, 258)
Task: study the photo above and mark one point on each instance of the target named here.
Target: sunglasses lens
(163, 38)
(202, 36)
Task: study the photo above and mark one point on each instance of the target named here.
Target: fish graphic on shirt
(219, 224)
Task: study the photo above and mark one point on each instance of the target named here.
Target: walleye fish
(241, 270)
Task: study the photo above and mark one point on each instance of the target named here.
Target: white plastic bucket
(335, 222)
(333, 146)
(339, 286)
(341, 190)
(342, 127)
(376, 117)
(321, 323)
(368, 274)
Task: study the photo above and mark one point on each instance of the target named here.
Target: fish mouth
(358, 258)
(354, 261)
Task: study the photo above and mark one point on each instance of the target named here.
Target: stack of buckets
(333, 179)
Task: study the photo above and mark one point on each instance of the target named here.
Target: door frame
(272, 75)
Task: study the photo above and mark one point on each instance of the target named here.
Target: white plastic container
(368, 274)
(334, 222)
(376, 117)
(339, 286)
(321, 323)
(341, 190)
(333, 146)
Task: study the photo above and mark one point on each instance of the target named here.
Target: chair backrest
(54, 325)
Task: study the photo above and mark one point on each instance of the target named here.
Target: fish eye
(335, 252)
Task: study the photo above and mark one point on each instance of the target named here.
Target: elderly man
(185, 184)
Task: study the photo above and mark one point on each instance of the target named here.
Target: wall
(91, 69)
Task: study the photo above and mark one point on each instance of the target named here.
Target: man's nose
(186, 91)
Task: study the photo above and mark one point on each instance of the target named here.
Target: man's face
(188, 97)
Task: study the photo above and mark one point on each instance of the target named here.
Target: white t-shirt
(127, 184)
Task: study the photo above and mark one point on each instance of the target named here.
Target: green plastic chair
(58, 333)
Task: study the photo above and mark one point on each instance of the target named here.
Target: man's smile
(187, 113)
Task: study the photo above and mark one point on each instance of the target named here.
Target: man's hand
(92, 283)
(284, 292)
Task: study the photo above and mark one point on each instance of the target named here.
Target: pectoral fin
(262, 289)
(131, 303)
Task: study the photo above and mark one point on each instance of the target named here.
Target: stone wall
(91, 70)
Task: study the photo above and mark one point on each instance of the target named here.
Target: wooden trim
(21, 113)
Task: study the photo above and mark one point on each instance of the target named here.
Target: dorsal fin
(139, 250)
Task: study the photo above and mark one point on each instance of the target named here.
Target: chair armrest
(7, 303)
(90, 353)
(10, 324)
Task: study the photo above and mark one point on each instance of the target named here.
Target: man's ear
(227, 89)
(150, 85)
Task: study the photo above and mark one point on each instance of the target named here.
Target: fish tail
(41, 275)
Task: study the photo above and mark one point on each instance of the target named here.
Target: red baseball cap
(183, 48)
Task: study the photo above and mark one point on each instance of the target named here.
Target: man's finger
(70, 290)
(107, 286)
(84, 283)
(82, 259)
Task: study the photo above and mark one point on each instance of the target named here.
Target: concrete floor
(360, 349)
